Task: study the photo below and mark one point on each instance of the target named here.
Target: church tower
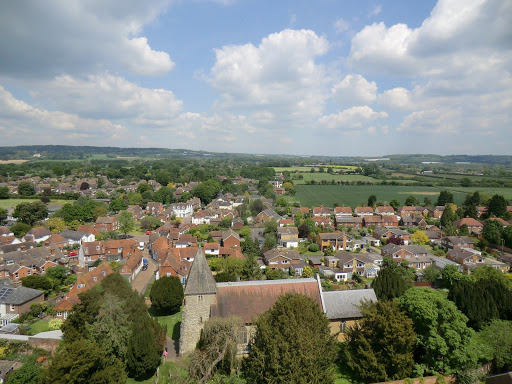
(200, 294)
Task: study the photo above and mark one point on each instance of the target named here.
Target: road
(142, 280)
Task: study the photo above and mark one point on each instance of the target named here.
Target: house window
(59, 314)
(201, 320)
(242, 335)
(200, 298)
(97, 247)
(29, 272)
(343, 326)
(103, 273)
(12, 307)
(95, 278)
(16, 275)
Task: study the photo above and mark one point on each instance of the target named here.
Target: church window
(242, 335)
(200, 298)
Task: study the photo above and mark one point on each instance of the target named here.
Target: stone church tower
(200, 294)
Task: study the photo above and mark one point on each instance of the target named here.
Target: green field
(354, 195)
(12, 203)
(505, 192)
(327, 176)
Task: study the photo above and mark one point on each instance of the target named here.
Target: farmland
(354, 195)
(12, 203)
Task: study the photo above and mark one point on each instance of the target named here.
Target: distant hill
(69, 152)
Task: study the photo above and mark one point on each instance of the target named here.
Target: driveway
(142, 280)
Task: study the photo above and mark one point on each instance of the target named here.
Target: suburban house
(452, 242)
(392, 233)
(322, 221)
(400, 252)
(470, 259)
(267, 215)
(288, 237)
(182, 209)
(281, 258)
(384, 210)
(211, 249)
(16, 301)
(414, 221)
(106, 224)
(349, 221)
(322, 211)
(410, 210)
(230, 239)
(37, 235)
(338, 240)
(437, 211)
(474, 226)
(154, 208)
(133, 264)
(76, 237)
(363, 211)
(343, 211)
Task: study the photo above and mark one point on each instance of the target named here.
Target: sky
(302, 77)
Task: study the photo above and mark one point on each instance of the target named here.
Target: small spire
(200, 280)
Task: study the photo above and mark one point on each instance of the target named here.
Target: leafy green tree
(117, 205)
(372, 199)
(380, 347)
(4, 193)
(443, 336)
(251, 269)
(143, 355)
(448, 216)
(411, 200)
(30, 213)
(390, 283)
(444, 198)
(82, 361)
(57, 274)
(167, 294)
(292, 344)
(492, 231)
(464, 230)
(26, 188)
(29, 373)
(395, 204)
(270, 242)
(74, 328)
(38, 282)
(273, 274)
(483, 300)
(497, 206)
(126, 222)
(450, 275)
(164, 195)
(20, 229)
(432, 273)
(494, 342)
(207, 190)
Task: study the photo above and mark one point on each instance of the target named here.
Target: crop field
(327, 176)
(354, 195)
(12, 203)
(505, 192)
(307, 168)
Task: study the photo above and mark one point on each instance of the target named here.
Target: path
(142, 280)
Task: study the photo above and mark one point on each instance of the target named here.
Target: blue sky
(319, 77)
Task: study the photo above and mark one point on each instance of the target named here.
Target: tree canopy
(443, 336)
(292, 344)
(380, 347)
(30, 213)
(167, 294)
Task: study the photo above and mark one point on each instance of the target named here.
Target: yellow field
(13, 161)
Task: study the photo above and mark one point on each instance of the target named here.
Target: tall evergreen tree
(167, 294)
(444, 198)
(497, 206)
(143, 355)
(292, 344)
(380, 347)
(448, 216)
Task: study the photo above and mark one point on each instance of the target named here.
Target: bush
(167, 294)
(314, 248)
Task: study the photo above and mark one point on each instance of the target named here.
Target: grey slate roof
(200, 279)
(19, 295)
(343, 304)
(73, 235)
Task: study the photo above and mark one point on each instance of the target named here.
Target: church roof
(249, 299)
(200, 279)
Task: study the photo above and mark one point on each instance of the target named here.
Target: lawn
(165, 368)
(173, 323)
(12, 203)
(355, 195)
(38, 327)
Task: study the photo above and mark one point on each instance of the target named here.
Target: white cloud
(21, 123)
(341, 25)
(432, 121)
(355, 119)
(107, 96)
(354, 90)
(397, 98)
(59, 36)
(278, 77)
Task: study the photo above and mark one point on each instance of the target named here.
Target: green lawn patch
(173, 323)
(38, 327)
(12, 203)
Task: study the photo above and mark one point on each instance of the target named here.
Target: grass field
(12, 203)
(354, 195)
(38, 327)
(329, 177)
